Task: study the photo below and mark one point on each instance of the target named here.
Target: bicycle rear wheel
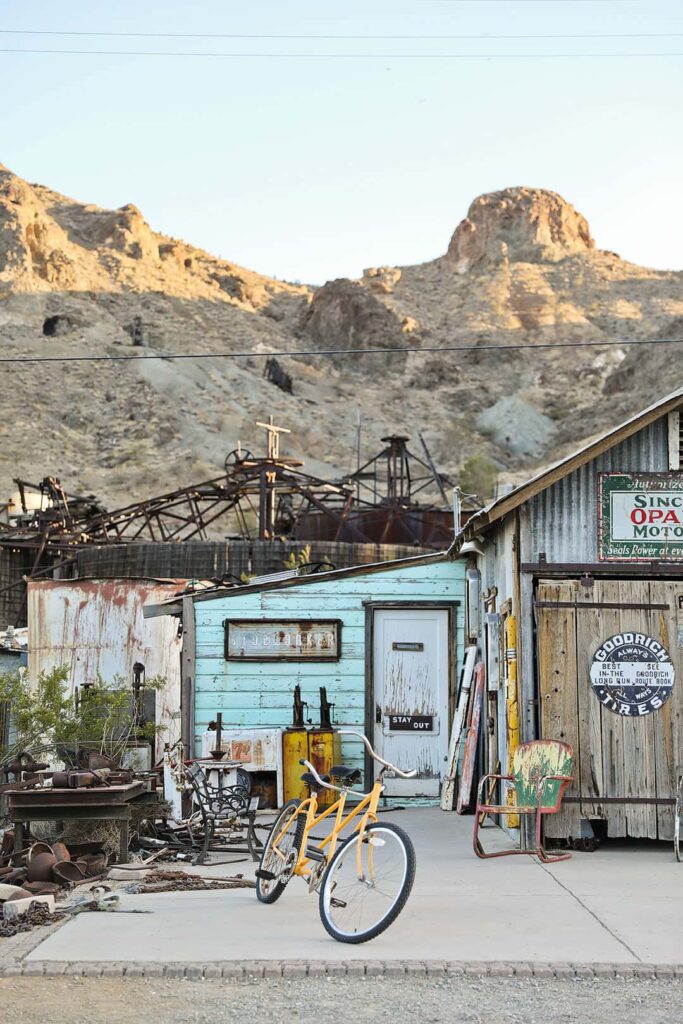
(355, 909)
(280, 853)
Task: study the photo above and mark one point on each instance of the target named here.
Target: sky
(340, 154)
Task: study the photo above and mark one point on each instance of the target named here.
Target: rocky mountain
(521, 268)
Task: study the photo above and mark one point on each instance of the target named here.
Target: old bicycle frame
(364, 877)
(366, 810)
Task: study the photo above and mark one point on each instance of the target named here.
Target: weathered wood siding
(260, 693)
(615, 756)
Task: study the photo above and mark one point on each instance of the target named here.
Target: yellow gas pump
(320, 746)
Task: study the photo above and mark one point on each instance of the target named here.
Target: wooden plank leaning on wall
(187, 665)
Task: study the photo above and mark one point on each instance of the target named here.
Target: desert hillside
(521, 267)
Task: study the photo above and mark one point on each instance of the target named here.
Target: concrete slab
(461, 909)
(651, 926)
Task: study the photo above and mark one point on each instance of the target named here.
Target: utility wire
(315, 35)
(295, 354)
(340, 56)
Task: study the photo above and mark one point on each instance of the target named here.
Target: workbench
(96, 803)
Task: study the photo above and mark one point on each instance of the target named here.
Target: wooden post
(187, 663)
(512, 700)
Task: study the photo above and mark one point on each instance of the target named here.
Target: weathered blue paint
(260, 693)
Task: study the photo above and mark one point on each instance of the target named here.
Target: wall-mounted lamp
(471, 547)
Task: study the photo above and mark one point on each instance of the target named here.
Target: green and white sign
(640, 517)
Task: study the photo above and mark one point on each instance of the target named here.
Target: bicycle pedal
(340, 904)
(313, 853)
(266, 876)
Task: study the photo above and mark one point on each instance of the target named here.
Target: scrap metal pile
(45, 869)
(254, 498)
(36, 916)
(34, 872)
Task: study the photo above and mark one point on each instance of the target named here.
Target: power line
(338, 56)
(295, 354)
(315, 35)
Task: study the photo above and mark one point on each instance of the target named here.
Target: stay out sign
(640, 516)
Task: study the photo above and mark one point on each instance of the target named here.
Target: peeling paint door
(410, 669)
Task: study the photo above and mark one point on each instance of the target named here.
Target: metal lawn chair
(541, 772)
(231, 804)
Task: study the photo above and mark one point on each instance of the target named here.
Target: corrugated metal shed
(655, 416)
(563, 518)
(96, 628)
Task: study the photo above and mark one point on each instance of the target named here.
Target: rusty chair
(541, 772)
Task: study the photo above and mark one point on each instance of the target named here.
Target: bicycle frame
(366, 810)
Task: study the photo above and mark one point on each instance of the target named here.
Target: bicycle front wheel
(280, 853)
(358, 905)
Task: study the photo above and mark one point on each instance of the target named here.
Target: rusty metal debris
(44, 869)
(181, 881)
(36, 916)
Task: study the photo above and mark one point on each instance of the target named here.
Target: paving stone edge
(235, 970)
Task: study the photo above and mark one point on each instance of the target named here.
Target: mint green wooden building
(400, 630)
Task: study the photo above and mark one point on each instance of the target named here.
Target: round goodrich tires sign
(632, 674)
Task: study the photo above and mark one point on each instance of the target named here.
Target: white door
(410, 668)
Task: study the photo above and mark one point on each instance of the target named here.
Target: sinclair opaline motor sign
(640, 517)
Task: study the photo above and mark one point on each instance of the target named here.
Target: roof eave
(509, 502)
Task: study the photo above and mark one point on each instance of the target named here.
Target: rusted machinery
(265, 498)
(260, 498)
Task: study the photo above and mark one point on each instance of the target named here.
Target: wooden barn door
(617, 755)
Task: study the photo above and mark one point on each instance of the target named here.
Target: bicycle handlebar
(387, 764)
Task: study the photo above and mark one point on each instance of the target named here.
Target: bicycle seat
(311, 780)
(348, 775)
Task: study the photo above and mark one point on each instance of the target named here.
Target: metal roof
(558, 470)
(174, 606)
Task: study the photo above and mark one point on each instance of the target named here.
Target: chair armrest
(549, 778)
(485, 779)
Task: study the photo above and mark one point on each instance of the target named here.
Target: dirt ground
(34, 1000)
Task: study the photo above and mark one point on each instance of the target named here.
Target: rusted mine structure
(386, 508)
(264, 498)
(261, 499)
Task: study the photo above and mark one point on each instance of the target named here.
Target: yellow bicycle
(364, 880)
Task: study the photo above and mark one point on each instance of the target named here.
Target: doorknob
(378, 714)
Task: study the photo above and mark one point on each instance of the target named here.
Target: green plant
(295, 559)
(45, 718)
(478, 477)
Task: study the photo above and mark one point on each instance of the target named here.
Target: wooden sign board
(282, 640)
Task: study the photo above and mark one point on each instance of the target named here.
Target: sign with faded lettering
(640, 517)
(279, 640)
(632, 674)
